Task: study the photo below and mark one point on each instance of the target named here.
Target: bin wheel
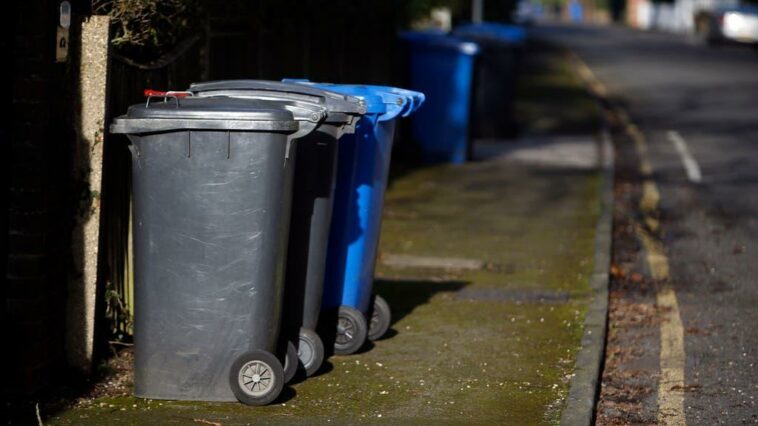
(351, 331)
(290, 362)
(256, 378)
(380, 318)
(310, 351)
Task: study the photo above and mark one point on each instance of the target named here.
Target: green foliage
(417, 9)
(117, 313)
(602, 4)
(494, 10)
(145, 29)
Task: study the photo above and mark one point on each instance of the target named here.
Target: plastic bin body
(309, 229)
(495, 80)
(362, 172)
(442, 67)
(313, 187)
(359, 201)
(208, 199)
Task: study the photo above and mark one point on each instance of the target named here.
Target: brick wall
(38, 219)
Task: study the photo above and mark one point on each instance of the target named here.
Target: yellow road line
(656, 258)
(672, 355)
(588, 76)
(650, 196)
(671, 382)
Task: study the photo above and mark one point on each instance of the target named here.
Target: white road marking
(690, 165)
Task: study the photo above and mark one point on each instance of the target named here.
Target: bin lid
(337, 106)
(500, 32)
(415, 99)
(386, 101)
(217, 113)
(441, 40)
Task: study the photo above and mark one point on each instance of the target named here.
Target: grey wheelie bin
(209, 190)
(311, 213)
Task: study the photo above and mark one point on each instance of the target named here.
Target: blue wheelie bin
(362, 171)
(442, 67)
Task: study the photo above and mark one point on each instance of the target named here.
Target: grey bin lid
(338, 107)
(216, 113)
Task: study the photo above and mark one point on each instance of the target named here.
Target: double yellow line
(672, 356)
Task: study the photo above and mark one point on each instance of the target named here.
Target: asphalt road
(708, 97)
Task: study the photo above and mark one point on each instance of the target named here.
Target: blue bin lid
(441, 40)
(386, 101)
(412, 100)
(506, 33)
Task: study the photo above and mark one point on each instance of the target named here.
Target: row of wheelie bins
(256, 210)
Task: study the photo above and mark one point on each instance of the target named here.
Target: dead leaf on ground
(617, 271)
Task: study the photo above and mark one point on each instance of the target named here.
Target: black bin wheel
(380, 318)
(351, 331)
(290, 362)
(256, 378)
(310, 351)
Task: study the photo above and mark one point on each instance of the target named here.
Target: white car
(738, 24)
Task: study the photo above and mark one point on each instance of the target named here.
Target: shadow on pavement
(404, 295)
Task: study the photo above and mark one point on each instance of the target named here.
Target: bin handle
(175, 95)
